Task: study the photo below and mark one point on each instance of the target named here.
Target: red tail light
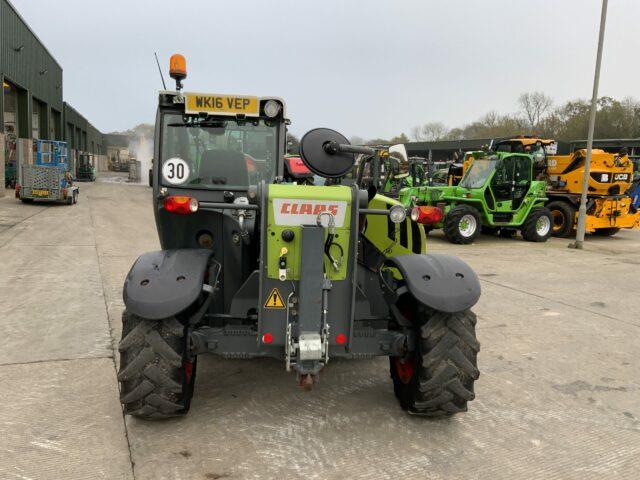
(181, 205)
(341, 339)
(427, 215)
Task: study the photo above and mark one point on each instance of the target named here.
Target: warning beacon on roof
(221, 104)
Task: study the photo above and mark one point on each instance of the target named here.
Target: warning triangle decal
(274, 300)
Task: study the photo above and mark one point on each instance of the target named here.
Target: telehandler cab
(251, 266)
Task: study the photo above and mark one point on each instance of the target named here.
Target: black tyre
(563, 215)
(75, 197)
(26, 200)
(156, 376)
(437, 379)
(606, 232)
(538, 225)
(462, 225)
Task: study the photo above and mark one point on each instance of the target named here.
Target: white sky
(371, 68)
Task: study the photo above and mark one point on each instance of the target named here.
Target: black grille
(502, 217)
(404, 235)
(416, 241)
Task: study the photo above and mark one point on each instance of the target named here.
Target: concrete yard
(558, 395)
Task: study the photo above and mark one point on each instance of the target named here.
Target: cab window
(220, 153)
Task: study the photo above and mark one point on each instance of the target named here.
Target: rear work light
(181, 205)
(426, 215)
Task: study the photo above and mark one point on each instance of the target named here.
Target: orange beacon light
(178, 69)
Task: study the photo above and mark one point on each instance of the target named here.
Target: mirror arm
(334, 147)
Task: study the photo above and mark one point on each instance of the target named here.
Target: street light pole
(582, 211)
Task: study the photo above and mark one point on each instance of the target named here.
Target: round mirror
(318, 160)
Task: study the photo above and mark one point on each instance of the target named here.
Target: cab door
(501, 185)
(522, 176)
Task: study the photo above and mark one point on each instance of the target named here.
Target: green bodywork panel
(389, 239)
(286, 201)
(504, 187)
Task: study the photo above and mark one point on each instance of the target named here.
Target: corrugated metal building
(32, 106)
(32, 75)
(80, 134)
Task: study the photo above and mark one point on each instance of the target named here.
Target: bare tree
(429, 132)
(535, 105)
(416, 133)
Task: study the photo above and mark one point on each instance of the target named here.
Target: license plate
(40, 193)
(222, 104)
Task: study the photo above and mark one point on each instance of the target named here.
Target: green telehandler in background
(497, 194)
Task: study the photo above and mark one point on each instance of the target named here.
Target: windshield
(225, 154)
(478, 172)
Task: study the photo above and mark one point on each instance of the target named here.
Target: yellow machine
(609, 207)
(527, 144)
(610, 174)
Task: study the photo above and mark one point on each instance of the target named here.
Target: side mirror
(327, 153)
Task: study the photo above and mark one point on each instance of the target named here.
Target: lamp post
(582, 211)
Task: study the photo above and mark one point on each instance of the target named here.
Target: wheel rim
(404, 369)
(558, 220)
(188, 371)
(467, 225)
(543, 225)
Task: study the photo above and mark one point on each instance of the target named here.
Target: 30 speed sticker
(175, 171)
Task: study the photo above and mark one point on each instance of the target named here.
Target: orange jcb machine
(609, 207)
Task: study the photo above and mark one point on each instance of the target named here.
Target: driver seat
(224, 167)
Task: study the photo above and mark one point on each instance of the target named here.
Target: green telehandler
(497, 194)
(252, 265)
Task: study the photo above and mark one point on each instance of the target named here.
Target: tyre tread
(152, 376)
(452, 220)
(529, 232)
(568, 211)
(446, 365)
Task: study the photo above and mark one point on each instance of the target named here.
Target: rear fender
(442, 282)
(164, 283)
